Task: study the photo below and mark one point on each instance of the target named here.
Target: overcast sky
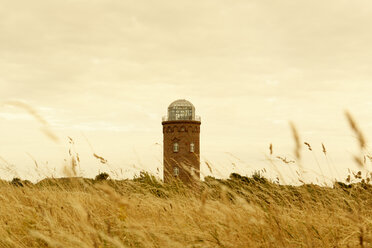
(104, 72)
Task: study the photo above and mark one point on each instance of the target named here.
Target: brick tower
(181, 132)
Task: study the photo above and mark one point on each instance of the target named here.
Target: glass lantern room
(181, 110)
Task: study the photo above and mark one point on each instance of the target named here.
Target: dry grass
(143, 212)
(238, 212)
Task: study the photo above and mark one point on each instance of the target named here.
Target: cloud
(102, 126)
(15, 116)
(272, 82)
(114, 66)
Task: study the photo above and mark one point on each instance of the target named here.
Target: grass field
(236, 212)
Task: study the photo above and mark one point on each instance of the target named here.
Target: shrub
(17, 182)
(102, 176)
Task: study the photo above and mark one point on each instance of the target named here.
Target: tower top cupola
(181, 143)
(181, 110)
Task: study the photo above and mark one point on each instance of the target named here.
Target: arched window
(192, 147)
(175, 147)
(176, 171)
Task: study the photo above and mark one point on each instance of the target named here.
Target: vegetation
(239, 211)
(102, 176)
(143, 212)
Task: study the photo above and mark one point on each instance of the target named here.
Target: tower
(181, 142)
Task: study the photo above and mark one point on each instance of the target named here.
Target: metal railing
(196, 118)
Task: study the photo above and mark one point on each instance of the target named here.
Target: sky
(104, 72)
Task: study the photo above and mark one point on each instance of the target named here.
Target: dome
(181, 103)
(181, 110)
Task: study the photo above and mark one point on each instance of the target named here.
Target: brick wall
(184, 133)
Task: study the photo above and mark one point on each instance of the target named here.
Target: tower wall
(184, 133)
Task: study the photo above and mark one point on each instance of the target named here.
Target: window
(176, 171)
(175, 147)
(192, 147)
(192, 171)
